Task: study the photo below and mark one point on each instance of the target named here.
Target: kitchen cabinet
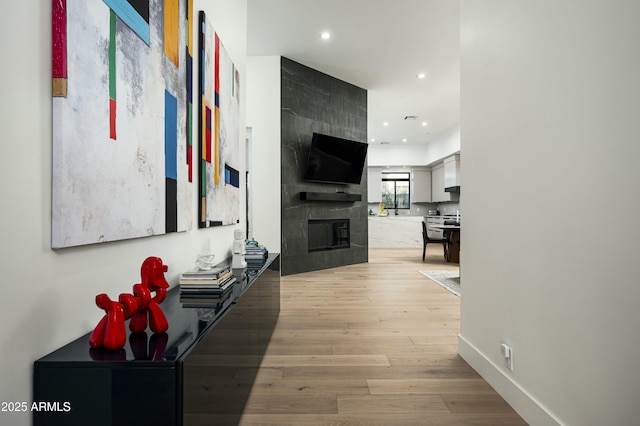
(452, 171)
(438, 193)
(421, 192)
(437, 184)
(374, 184)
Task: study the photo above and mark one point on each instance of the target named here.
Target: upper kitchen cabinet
(374, 184)
(438, 185)
(452, 173)
(421, 192)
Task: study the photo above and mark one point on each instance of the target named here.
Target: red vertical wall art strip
(59, 47)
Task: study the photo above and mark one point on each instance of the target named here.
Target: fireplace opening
(328, 234)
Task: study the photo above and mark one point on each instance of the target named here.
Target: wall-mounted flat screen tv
(335, 160)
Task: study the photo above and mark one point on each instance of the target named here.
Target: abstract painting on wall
(219, 126)
(122, 108)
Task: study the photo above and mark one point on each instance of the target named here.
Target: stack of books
(217, 303)
(206, 287)
(255, 256)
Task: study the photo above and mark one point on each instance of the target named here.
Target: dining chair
(426, 240)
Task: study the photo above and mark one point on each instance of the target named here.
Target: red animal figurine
(142, 305)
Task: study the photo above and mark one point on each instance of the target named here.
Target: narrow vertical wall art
(59, 47)
(121, 110)
(219, 132)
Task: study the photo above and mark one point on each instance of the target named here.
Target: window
(395, 190)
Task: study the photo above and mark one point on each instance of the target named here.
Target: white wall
(550, 107)
(444, 145)
(396, 155)
(447, 144)
(263, 117)
(48, 296)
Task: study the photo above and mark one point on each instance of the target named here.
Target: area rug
(447, 279)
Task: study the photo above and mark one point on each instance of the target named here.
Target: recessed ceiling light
(325, 35)
(386, 123)
(424, 124)
(421, 75)
(404, 140)
(373, 140)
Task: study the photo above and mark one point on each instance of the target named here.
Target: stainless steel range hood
(455, 189)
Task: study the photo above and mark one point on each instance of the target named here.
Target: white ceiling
(378, 45)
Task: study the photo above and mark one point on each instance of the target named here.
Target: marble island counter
(395, 231)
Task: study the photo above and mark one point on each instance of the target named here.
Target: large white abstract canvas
(121, 107)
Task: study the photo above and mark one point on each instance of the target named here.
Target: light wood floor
(368, 344)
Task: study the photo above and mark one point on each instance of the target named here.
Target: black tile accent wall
(316, 102)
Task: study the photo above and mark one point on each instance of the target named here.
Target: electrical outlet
(507, 353)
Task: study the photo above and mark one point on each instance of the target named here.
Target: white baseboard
(526, 405)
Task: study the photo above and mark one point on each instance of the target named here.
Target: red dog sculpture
(110, 332)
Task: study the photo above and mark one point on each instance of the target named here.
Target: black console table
(203, 365)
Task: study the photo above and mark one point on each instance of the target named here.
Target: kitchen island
(395, 231)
